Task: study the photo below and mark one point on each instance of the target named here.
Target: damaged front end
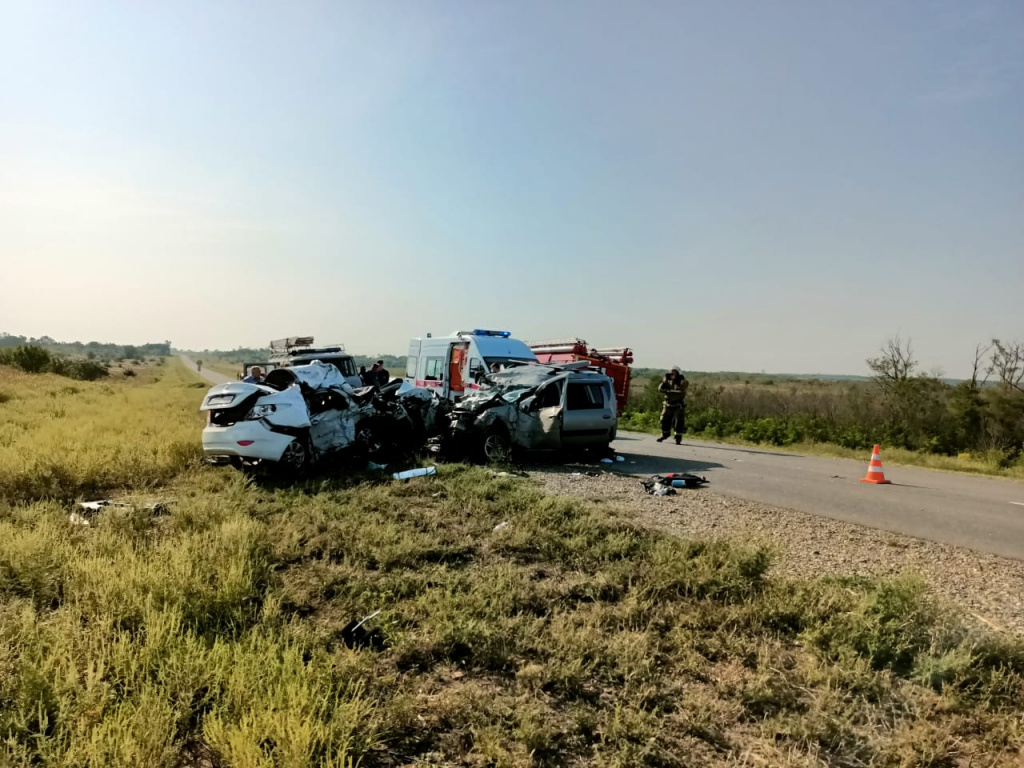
(532, 408)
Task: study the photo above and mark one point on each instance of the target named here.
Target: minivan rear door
(589, 415)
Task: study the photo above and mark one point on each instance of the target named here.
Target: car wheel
(496, 447)
(370, 442)
(295, 458)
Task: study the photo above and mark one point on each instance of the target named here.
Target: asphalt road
(982, 513)
(211, 376)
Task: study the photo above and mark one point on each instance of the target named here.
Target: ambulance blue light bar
(502, 334)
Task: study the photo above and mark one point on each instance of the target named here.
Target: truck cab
(301, 350)
(455, 365)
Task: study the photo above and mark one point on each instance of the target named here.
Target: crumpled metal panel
(333, 429)
(291, 408)
(528, 376)
(318, 376)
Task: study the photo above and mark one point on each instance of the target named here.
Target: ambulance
(454, 365)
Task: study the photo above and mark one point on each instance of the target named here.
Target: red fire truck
(614, 362)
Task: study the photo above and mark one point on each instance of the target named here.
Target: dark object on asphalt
(673, 480)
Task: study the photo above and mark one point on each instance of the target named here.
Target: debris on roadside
(501, 526)
(411, 473)
(375, 466)
(685, 480)
(87, 510)
(666, 485)
(607, 461)
(355, 635)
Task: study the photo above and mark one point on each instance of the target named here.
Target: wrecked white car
(297, 417)
(534, 408)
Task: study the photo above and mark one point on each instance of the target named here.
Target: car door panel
(589, 416)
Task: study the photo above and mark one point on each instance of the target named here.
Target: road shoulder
(987, 587)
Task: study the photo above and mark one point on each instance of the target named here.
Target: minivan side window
(410, 367)
(435, 369)
(585, 396)
(550, 396)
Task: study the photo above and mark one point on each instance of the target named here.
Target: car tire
(371, 444)
(496, 447)
(296, 457)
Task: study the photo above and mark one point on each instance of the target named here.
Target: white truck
(454, 365)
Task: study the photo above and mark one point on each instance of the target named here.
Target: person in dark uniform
(673, 411)
(383, 375)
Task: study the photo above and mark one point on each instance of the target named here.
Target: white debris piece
(411, 473)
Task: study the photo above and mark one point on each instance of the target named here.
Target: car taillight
(245, 442)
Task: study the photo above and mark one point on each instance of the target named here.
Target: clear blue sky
(728, 186)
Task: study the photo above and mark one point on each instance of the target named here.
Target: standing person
(199, 366)
(364, 376)
(383, 376)
(255, 375)
(371, 379)
(673, 411)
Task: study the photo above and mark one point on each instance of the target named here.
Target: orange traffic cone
(875, 474)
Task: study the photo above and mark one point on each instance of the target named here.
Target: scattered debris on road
(665, 485)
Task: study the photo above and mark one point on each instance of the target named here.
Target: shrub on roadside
(33, 359)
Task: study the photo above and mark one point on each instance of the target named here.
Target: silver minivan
(537, 407)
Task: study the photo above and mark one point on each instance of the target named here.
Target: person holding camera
(673, 412)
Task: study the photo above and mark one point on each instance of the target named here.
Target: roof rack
(300, 345)
(286, 345)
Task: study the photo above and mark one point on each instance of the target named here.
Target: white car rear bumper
(225, 442)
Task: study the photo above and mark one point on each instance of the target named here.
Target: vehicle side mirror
(528, 404)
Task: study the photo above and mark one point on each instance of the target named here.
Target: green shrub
(28, 358)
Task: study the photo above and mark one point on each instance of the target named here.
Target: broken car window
(550, 396)
(585, 396)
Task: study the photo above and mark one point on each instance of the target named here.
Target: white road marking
(1018, 503)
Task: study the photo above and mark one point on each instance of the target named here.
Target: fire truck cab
(454, 365)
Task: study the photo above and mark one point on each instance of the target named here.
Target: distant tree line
(92, 350)
(900, 405)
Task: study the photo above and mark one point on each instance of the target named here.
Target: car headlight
(260, 412)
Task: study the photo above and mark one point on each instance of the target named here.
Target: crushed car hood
(512, 384)
(314, 376)
(529, 376)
